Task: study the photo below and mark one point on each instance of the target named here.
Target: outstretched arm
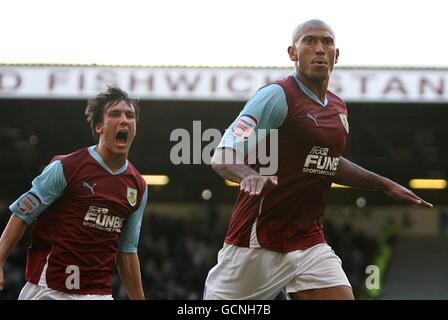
(11, 235)
(129, 270)
(351, 174)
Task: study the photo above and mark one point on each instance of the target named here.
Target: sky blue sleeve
(266, 109)
(46, 188)
(131, 230)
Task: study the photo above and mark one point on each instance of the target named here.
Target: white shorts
(34, 292)
(261, 274)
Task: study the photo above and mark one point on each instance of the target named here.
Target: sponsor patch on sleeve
(28, 203)
(245, 126)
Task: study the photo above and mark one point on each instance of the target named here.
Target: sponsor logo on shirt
(312, 118)
(28, 203)
(132, 196)
(244, 126)
(88, 186)
(318, 162)
(99, 218)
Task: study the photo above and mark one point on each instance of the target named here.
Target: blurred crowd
(176, 253)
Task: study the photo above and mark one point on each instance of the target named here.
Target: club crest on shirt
(132, 196)
(244, 126)
(28, 203)
(344, 121)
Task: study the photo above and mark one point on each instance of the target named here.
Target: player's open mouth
(319, 62)
(122, 136)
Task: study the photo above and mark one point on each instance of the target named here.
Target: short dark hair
(98, 104)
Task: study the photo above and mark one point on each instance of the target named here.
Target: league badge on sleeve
(344, 121)
(132, 196)
(244, 126)
(28, 203)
